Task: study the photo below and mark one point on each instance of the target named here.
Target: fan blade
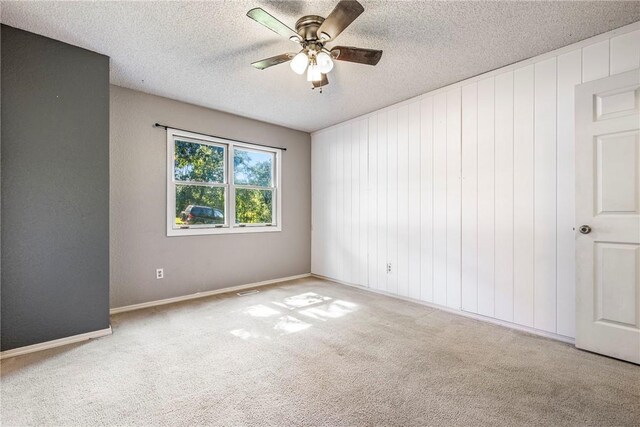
(340, 18)
(263, 17)
(356, 54)
(323, 82)
(274, 60)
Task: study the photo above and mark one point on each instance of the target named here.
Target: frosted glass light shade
(299, 63)
(314, 74)
(325, 63)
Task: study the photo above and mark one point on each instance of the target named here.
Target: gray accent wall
(55, 190)
(191, 264)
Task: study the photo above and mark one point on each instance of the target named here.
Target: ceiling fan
(312, 33)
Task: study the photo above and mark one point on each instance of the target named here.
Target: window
(218, 186)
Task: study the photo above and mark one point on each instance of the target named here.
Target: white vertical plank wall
(453, 196)
(392, 200)
(523, 196)
(569, 75)
(470, 198)
(363, 256)
(403, 201)
(544, 296)
(347, 199)
(374, 229)
(414, 200)
(486, 197)
(464, 197)
(354, 241)
(339, 240)
(503, 207)
(440, 199)
(381, 212)
(426, 199)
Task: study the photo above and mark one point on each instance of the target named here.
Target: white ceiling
(199, 52)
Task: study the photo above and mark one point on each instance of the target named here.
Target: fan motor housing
(307, 27)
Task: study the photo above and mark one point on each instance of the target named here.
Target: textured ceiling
(199, 52)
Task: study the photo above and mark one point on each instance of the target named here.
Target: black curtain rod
(158, 125)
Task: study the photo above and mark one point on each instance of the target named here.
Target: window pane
(254, 206)
(198, 162)
(253, 168)
(199, 204)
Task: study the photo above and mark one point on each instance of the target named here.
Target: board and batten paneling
(453, 196)
(470, 198)
(544, 299)
(392, 200)
(440, 199)
(464, 197)
(381, 214)
(403, 201)
(503, 207)
(414, 203)
(569, 75)
(486, 197)
(523, 196)
(426, 199)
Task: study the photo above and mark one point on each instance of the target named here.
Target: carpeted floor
(310, 352)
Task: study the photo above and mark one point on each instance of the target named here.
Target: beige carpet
(310, 352)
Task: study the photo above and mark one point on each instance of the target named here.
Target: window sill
(173, 232)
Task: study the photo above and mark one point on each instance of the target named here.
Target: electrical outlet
(159, 273)
(388, 268)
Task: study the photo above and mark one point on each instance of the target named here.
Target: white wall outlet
(388, 268)
(159, 273)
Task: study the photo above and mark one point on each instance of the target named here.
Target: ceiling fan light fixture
(313, 73)
(325, 63)
(312, 33)
(299, 63)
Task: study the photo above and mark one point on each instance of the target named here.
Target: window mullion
(254, 187)
(273, 206)
(231, 202)
(202, 184)
(274, 193)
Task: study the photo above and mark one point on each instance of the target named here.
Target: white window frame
(229, 227)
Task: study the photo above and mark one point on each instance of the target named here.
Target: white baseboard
(204, 294)
(480, 317)
(54, 343)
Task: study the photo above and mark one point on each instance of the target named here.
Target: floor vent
(249, 292)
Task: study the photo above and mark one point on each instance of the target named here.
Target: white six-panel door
(608, 216)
